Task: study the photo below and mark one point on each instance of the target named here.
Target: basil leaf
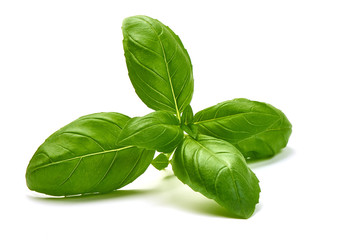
(187, 117)
(191, 130)
(83, 157)
(160, 162)
(158, 64)
(158, 130)
(257, 129)
(218, 170)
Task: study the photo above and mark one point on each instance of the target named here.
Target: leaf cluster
(103, 152)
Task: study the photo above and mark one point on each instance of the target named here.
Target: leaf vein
(107, 171)
(146, 67)
(104, 120)
(167, 66)
(72, 172)
(142, 45)
(83, 135)
(83, 156)
(132, 169)
(229, 116)
(151, 97)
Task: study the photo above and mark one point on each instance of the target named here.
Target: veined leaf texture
(158, 130)
(257, 129)
(218, 170)
(83, 157)
(158, 64)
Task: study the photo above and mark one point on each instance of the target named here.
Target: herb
(83, 157)
(257, 129)
(156, 131)
(159, 66)
(161, 161)
(103, 152)
(218, 170)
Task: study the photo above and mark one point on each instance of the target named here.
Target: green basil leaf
(158, 64)
(257, 129)
(191, 130)
(218, 170)
(83, 157)
(160, 162)
(187, 117)
(158, 130)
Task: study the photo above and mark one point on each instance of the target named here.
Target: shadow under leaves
(183, 197)
(179, 196)
(281, 156)
(93, 196)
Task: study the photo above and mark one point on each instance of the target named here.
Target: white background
(60, 60)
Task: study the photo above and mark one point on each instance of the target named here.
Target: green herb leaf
(191, 130)
(160, 162)
(158, 130)
(187, 125)
(83, 157)
(218, 170)
(159, 66)
(187, 117)
(257, 129)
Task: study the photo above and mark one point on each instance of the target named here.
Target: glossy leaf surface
(257, 129)
(187, 117)
(218, 170)
(83, 157)
(158, 64)
(158, 130)
(160, 162)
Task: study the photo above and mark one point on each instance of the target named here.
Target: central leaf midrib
(169, 77)
(82, 156)
(265, 130)
(225, 165)
(164, 125)
(231, 116)
(167, 68)
(212, 154)
(236, 140)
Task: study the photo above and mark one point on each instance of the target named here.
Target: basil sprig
(103, 152)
